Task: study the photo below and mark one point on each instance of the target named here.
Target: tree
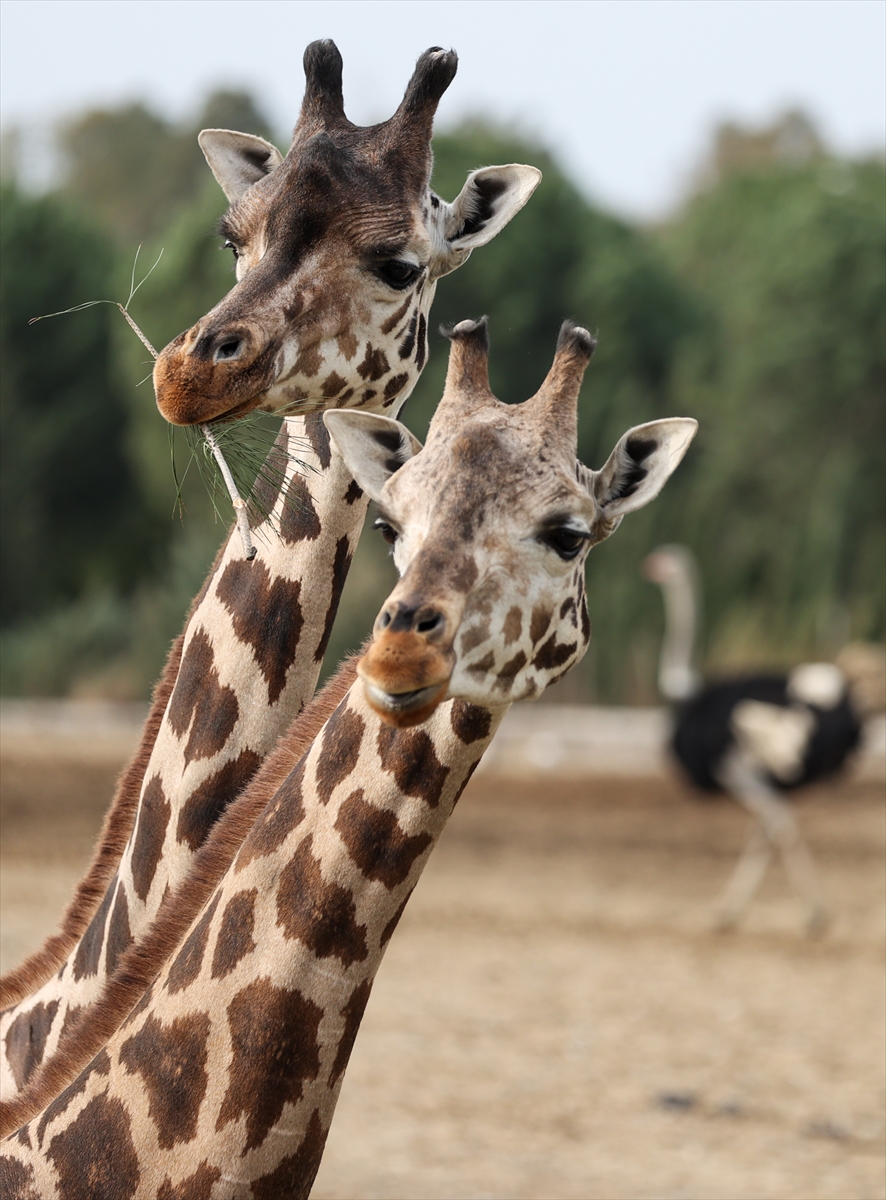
(788, 380)
(72, 508)
(134, 172)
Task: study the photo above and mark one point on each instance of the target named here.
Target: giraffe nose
(400, 617)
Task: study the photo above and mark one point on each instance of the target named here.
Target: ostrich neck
(677, 679)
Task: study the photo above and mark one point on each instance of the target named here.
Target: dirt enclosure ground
(554, 1017)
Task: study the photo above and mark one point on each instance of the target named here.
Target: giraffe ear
(373, 446)
(238, 160)
(638, 468)
(487, 202)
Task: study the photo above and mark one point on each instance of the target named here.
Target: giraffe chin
(404, 709)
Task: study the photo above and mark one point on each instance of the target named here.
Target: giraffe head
(339, 247)
(491, 522)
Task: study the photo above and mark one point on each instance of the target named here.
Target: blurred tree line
(759, 308)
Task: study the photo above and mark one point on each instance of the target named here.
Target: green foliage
(788, 380)
(73, 515)
(135, 172)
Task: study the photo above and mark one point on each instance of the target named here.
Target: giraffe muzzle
(404, 678)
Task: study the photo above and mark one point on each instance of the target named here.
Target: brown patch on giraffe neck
(308, 363)
(470, 723)
(319, 914)
(342, 742)
(376, 842)
(201, 703)
(111, 1166)
(89, 951)
(119, 932)
(341, 564)
(185, 967)
(318, 436)
(149, 835)
(235, 939)
(156, 1053)
(272, 827)
(196, 1187)
(353, 1014)
(269, 483)
(266, 615)
(275, 1051)
(206, 804)
(354, 493)
(17, 1180)
(26, 1040)
(299, 521)
(409, 754)
(295, 1174)
(388, 932)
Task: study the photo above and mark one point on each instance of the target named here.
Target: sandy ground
(554, 1017)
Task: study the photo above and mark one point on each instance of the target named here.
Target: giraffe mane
(142, 962)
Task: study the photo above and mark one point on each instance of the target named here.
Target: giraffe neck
(229, 1068)
(252, 651)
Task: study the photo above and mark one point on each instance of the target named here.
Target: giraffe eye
(229, 245)
(564, 541)
(388, 532)
(399, 273)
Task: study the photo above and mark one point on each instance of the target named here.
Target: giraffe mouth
(403, 709)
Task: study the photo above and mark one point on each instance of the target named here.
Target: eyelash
(559, 540)
(391, 268)
(388, 532)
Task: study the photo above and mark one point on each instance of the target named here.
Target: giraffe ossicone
(229, 1052)
(340, 245)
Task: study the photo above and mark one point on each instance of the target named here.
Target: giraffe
(228, 1054)
(339, 247)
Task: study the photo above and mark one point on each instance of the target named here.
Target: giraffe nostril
(384, 620)
(430, 623)
(228, 350)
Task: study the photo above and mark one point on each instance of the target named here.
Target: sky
(625, 92)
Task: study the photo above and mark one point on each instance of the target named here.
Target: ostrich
(757, 737)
